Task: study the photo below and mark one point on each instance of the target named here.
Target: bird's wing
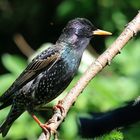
(35, 68)
(38, 64)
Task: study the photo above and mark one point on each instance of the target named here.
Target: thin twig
(22, 44)
(131, 29)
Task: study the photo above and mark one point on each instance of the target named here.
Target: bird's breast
(53, 81)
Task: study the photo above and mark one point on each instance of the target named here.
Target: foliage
(14, 64)
(112, 88)
(114, 135)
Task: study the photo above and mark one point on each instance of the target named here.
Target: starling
(49, 73)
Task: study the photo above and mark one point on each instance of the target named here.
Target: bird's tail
(14, 113)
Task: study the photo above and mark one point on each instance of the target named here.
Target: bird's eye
(79, 32)
(88, 28)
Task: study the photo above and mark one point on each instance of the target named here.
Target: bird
(49, 73)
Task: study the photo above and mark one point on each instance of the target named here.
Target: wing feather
(32, 70)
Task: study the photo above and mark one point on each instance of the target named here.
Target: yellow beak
(101, 32)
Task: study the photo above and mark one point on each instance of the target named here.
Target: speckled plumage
(48, 74)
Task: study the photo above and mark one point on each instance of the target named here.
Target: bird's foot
(60, 107)
(47, 129)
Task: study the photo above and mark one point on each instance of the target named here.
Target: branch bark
(130, 30)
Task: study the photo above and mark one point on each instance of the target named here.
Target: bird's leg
(44, 127)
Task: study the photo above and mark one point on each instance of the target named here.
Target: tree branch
(131, 29)
(22, 44)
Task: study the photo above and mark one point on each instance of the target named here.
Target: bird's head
(79, 31)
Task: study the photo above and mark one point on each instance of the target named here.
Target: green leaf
(5, 81)
(13, 63)
(113, 135)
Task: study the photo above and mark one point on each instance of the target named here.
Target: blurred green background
(41, 21)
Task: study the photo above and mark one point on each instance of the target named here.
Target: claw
(47, 129)
(59, 106)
